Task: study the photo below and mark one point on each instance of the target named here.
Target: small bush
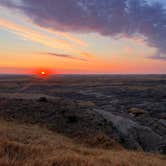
(72, 119)
(43, 99)
(136, 111)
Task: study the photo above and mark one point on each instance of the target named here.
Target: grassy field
(31, 145)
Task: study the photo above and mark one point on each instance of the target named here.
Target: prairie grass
(31, 145)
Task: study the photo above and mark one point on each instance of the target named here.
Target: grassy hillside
(31, 145)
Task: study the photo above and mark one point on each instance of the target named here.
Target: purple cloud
(107, 17)
(159, 57)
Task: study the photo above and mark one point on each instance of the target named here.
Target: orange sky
(26, 47)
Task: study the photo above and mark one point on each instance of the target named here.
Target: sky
(83, 36)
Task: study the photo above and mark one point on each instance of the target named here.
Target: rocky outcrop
(132, 134)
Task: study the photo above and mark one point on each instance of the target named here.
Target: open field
(83, 120)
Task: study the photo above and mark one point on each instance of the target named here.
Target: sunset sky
(83, 36)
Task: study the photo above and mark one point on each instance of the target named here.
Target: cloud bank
(114, 18)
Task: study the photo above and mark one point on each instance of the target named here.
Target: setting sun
(43, 73)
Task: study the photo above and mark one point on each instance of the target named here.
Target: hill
(31, 145)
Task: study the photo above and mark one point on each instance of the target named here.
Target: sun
(43, 73)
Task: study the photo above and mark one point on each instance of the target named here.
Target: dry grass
(29, 145)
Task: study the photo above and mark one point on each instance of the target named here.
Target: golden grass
(31, 145)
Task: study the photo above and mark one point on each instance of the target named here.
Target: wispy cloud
(66, 36)
(108, 17)
(65, 56)
(87, 55)
(35, 36)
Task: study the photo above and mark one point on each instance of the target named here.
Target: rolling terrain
(83, 120)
